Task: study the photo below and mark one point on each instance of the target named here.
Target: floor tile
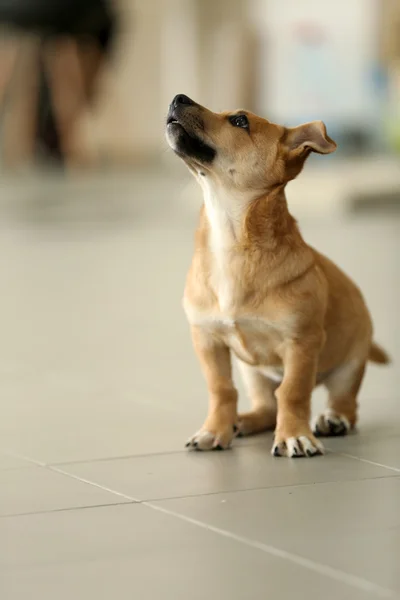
(353, 526)
(37, 489)
(194, 473)
(133, 551)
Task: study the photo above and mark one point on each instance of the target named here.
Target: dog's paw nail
(337, 428)
(331, 424)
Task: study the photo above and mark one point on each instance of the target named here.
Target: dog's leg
(261, 393)
(215, 359)
(293, 435)
(341, 415)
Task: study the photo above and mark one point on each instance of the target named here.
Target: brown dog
(255, 288)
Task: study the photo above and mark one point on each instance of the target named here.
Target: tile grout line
(129, 457)
(55, 466)
(145, 501)
(32, 461)
(182, 451)
(369, 462)
(72, 476)
(107, 458)
(94, 484)
(51, 511)
(166, 453)
(332, 573)
(57, 469)
(265, 489)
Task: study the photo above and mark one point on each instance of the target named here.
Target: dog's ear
(309, 137)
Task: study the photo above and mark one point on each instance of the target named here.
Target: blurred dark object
(47, 136)
(385, 203)
(58, 17)
(356, 141)
(90, 26)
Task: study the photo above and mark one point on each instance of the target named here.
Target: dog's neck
(237, 218)
(246, 235)
(225, 212)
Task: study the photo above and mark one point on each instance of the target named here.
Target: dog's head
(239, 149)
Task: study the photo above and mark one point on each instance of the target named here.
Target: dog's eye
(239, 121)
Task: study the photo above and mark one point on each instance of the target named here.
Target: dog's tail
(378, 355)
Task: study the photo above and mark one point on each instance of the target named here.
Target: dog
(257, 290)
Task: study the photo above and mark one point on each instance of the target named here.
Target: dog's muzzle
(184, 127)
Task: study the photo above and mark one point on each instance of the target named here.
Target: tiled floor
(100, 389)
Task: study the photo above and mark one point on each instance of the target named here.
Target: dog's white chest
(252, 339)
(224, 218)
(227, 293)
(223, 282)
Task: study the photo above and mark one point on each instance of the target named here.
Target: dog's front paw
(215, 439)
(297, 446)
(331, 424)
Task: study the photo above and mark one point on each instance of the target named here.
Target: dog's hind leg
(261, 392)
(343, 386)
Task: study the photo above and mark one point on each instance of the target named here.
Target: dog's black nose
(182, 99)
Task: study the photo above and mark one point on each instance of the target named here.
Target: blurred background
(88, 84)
(288, 61)
(99, 385)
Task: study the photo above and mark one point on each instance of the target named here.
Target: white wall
(329, 80)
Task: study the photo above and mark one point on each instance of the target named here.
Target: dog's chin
(188, 145)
